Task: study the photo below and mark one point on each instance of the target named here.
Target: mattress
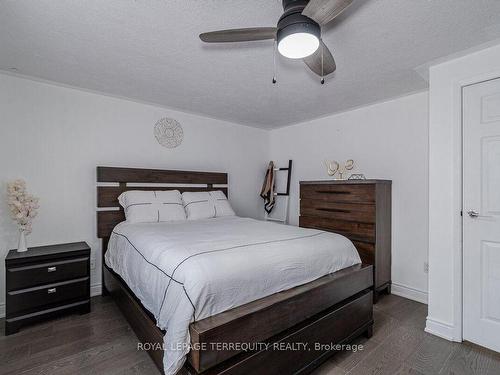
(190, 270)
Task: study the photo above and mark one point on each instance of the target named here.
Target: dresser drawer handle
(51, 290)
(332, 192)
(333, 210)
(52, 269)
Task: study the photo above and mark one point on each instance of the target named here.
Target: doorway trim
(447, 81)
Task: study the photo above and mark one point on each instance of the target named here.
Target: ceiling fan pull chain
(322, 65)
(274, 62)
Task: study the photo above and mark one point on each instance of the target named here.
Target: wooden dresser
(46, 281)
(359, 210)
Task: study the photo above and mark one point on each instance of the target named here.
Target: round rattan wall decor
(168, 132)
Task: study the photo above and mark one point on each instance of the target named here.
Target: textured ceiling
(149, 50)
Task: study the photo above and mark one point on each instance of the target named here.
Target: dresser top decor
(23, 209)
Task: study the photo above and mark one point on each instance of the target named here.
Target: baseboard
(2, 310)
(440, 329)
(409, 292)
(95, 290)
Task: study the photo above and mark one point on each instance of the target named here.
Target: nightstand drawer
(45, 273)
(26, 300)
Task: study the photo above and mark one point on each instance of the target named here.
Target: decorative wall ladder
(286, 195)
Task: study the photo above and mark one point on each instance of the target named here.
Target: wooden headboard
(112, 181)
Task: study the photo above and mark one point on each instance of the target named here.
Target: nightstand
(46, 281)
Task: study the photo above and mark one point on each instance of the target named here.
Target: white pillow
(205, 205)
(222, 206)
(152, 206)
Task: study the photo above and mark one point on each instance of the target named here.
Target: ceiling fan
(298, 33)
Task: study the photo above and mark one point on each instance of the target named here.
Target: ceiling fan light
(297, 36)
(298, 45)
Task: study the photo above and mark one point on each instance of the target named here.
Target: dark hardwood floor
(102, 343)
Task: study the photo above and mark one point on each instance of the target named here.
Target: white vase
(21, 246)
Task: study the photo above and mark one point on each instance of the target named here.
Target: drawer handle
(51, 290)
(52, 269)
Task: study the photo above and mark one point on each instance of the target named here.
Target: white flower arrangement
(23, 206)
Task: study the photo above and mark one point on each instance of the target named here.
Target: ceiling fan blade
(239, 35)
(321, 62)
(323, 11)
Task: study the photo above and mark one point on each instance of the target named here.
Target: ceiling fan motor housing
(293, 21)
(288, 4)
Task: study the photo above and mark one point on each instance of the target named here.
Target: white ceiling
(149, 50)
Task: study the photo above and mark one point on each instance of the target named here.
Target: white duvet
(190, 270)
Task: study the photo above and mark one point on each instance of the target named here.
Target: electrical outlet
(92, 263)
(426, 267)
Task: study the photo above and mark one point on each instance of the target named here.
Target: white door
(481, 216)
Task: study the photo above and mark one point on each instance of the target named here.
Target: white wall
(445, 185)
(54, 137)
(387, 141)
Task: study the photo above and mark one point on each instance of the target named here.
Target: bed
(236, 295)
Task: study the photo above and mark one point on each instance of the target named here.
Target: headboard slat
(138, 175)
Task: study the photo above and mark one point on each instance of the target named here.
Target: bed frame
(299, 326)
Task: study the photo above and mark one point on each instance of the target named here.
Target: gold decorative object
(333, 167)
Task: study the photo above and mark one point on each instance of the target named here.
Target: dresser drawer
(352, 230)
(366, 252)
(45, 273)
(30, 299)
(339, 193)
(338, 211)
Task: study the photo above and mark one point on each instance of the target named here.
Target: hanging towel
(267, 192)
